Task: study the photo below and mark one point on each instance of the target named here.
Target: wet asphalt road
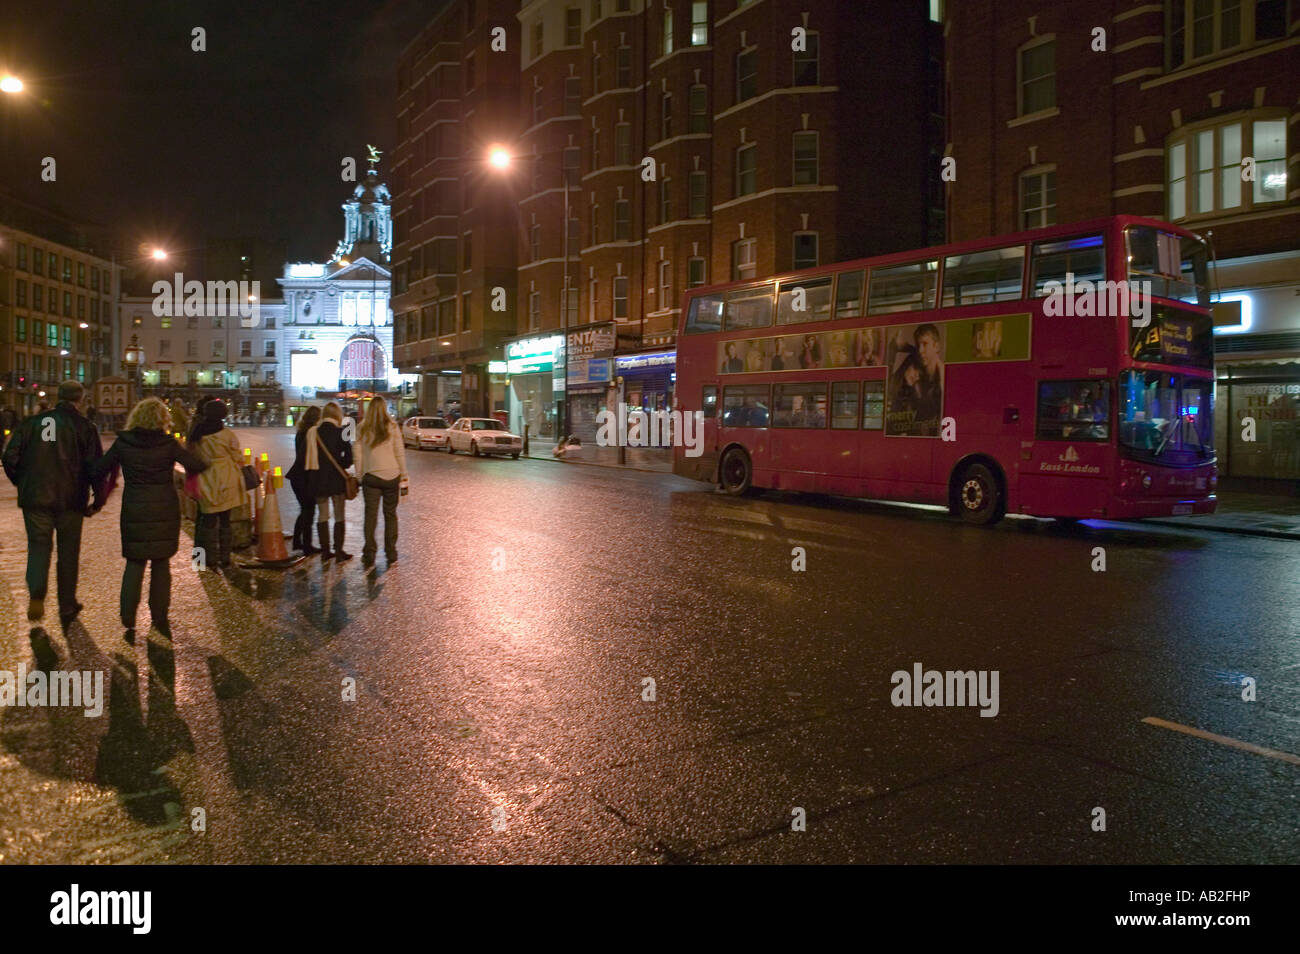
(500, 669)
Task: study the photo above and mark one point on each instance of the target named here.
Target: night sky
(176, 147)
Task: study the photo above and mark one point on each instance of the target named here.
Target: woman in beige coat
(221, 486)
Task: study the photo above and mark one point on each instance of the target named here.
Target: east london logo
(932, 687)
(1068, 464)
(81, 689)
(76, 907)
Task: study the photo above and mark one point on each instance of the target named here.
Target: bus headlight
(1146, 481)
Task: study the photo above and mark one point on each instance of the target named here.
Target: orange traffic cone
(271, 552)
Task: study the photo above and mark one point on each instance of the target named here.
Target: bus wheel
(736, 472)
(979, 499)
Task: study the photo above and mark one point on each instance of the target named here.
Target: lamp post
(132, 359)
(499, 158)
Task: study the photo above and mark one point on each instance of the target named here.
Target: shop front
(648, 379)
(534, 393)
(591, 365)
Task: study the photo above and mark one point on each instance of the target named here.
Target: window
(81, 371)
(805, 158)
(622, 6)
(539, 38)
(695, 272)
(466, 314)
(902, 287)
(665, 285)
(799, 405)
(1203, 28)
(698, 119)
(745, 405)
(595, 73)
(94, 279)
(573, 27)
(665, 201)
(245, 348)
(746, 75)
(982, 277)
(873, 405)
(51, 335)
(467, 251)
(38, 331)
(270, 350)
(800, 301)
(844, 405)
(595, 10)
(594, 226)
(622, 220)
(805, 250)
(807, 63)
(595, 148)
(623, 144)
(191, 376)
(192, 349)
(81, 274)
(592, 287)
(1073, 410)
(38, 262)
(744, 259)
(747, 170)
(67, 269)
(1038, 198)
(534, 243)
(164, 376)
(699, 22)
(20, 293)
(623, 67)
(52, 301)
(572, 95)
(1204, 167)
(668, 30)
(20, 328)
(67, 337)
(709, 401)
(67, 304)
(269, 376)
(698, 187)
(37, 300)
(620, 296)
(534, 310)
(749, 308)
(666, 116)
(81, 307)
(539, 105)
(1037, 77)
(705, 314)
(20, 261)
(38, 365)
(1085, 257)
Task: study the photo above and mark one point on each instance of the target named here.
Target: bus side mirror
(1010, 415)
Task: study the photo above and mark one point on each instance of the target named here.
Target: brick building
(1046, 126)
(690, 142)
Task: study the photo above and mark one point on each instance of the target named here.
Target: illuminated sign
(308, 270)
(634, 362)
(498, 367)
(533, 354)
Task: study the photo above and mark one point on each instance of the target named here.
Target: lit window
(1038, 77)
(699, 23)
(1038, 198)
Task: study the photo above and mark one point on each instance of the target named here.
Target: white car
(482, 435)
(422, 432)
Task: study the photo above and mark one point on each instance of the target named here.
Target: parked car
(482, 435)
(422, 432)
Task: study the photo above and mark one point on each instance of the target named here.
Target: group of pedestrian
(56, 460)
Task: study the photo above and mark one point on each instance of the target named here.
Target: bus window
(749, 308)
(745, 405)
(1074, 410)
(815, 304)
(873, 405)
(1084, 257)
(799, 405)
(710, 402)
(903, 287)
(705, 315)
(844, 405)
(1173, 264)
(848, 295)
(982, 277)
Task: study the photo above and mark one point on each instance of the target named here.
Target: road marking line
(1224, 740)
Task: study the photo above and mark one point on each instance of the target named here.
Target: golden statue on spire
(374, 154)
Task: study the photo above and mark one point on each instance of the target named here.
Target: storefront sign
(638, 362)
(533, 354)
(590, 371)
(590, 350)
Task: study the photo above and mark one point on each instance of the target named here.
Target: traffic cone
(271, 552)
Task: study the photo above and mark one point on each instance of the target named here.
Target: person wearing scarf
(221, 486)
(324, 480)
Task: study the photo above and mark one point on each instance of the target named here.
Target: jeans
(323, 508)
(41, 527)
(306, 512)
(160, 591)
(372, 489)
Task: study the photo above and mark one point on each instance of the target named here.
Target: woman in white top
(381, 463)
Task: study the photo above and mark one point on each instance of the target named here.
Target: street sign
(112, 396)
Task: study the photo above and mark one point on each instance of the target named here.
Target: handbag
(351, 486)
(251, 480)
(192, 486)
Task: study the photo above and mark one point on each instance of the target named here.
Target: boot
(303, 529)
(323, 531)
(225, 538)
(205, 541)
(339, 553)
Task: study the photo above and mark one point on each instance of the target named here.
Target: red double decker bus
(1063, 372)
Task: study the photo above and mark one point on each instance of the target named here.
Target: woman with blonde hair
(381, 464)
(328, 456)
(151, 513)
(221, 486)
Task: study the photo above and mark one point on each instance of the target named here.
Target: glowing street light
(159, 255)
(499, 158)
(11, 84)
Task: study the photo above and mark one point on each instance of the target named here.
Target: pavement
(594, 664)
(1264, 515)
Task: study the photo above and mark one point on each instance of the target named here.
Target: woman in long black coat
(298, 481)
(325, 443)
(151, 512)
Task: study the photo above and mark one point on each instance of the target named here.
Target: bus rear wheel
(979, 496)
(736, 473)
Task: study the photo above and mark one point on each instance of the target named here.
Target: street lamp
(500, 159)
(11, 84)
(133, 358)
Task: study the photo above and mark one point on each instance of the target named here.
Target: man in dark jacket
(48, 459)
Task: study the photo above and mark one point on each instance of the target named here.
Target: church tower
(367, 219)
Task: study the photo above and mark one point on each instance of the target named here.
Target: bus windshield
(1166, 418)
(1174, 264)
